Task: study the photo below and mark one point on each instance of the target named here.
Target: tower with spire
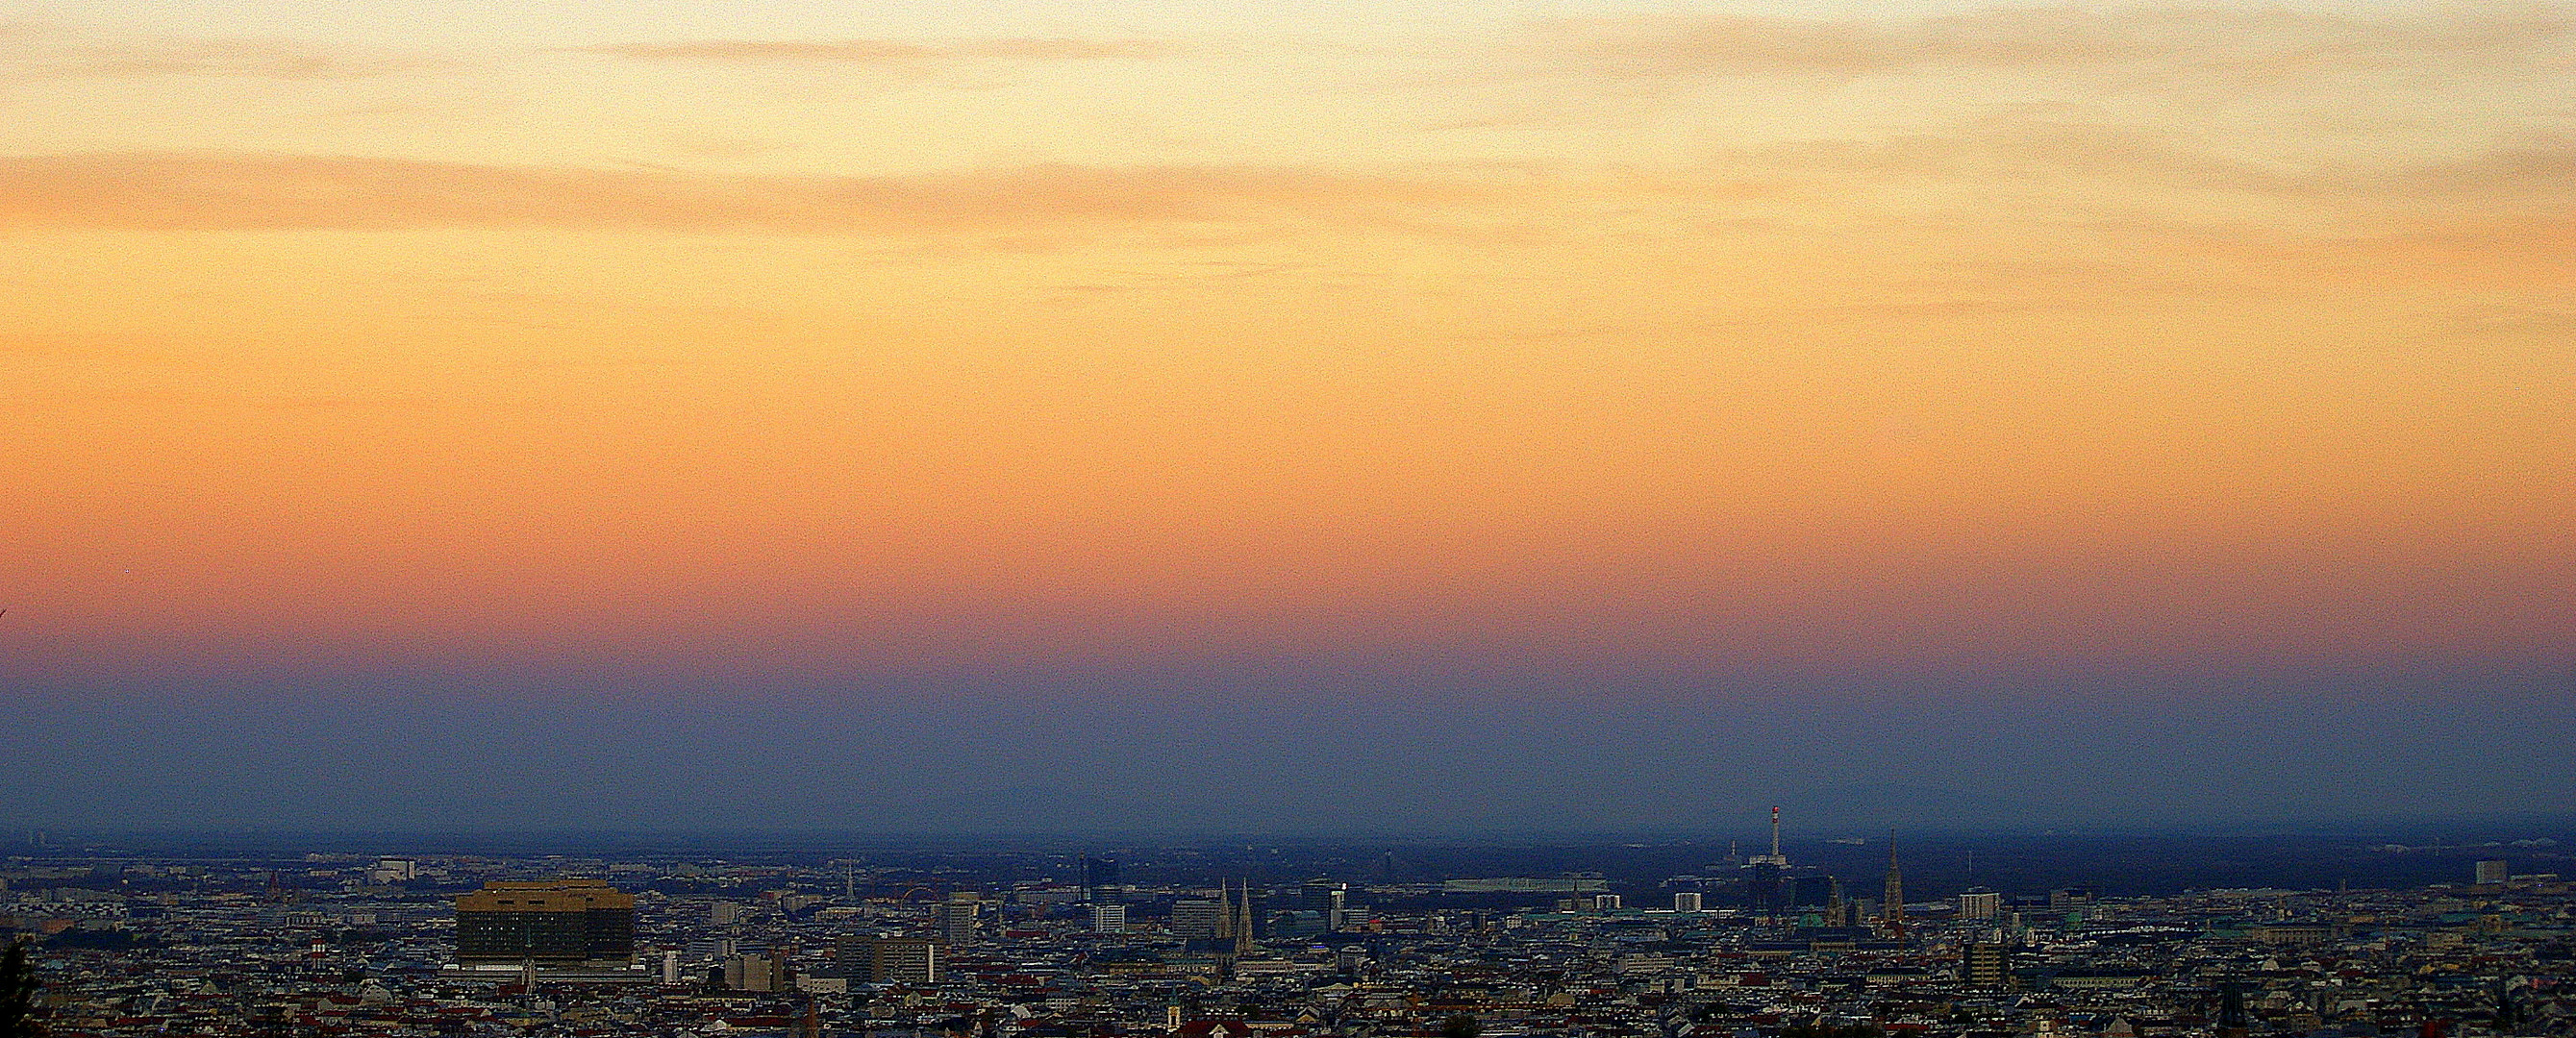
(1243, 922)
(1234, 921)
(1894, 914)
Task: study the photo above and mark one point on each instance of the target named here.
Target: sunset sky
(1528, 414)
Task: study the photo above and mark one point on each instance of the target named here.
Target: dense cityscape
(1175, 942)
(1316, 519)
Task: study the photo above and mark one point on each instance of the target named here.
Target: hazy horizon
(1254, 756)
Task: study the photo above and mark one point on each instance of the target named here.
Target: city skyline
(1002, 942)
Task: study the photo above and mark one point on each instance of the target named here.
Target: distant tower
(1894, 913)
(1243, 922)
(1234, 920)
(1762, 877)
(1775, 857)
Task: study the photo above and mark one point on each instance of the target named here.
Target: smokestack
(1775, 831)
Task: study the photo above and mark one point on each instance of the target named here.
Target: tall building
(1326, 898)
(1686, 901)
(2491, 871)
(567, 922)
(905, 960)
(1762, 886)
(960, 918)
(763, 972)
(1196, 918)
(1099, 878)
(1767, 887)
(1894, 912)
(1980, 903)
(1985, 965)
(1109, 919)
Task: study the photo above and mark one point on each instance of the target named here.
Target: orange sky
(1954, 335)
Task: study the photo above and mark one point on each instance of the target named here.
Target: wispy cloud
(233, 191)
(2435, 224)
(890, 52)
(2012, 169)
(2533, 172)
(260, 58)
(40, 52)
(2264, 41)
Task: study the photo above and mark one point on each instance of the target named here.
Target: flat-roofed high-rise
(551, 922)
(908, 960)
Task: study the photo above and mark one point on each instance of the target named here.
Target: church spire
(1894, 912)
(1243, 922)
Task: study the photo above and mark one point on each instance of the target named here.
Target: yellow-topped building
(547, 922)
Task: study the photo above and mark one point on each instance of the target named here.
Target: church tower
(1894, 912)
(1233, 924)
(1243, 922)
